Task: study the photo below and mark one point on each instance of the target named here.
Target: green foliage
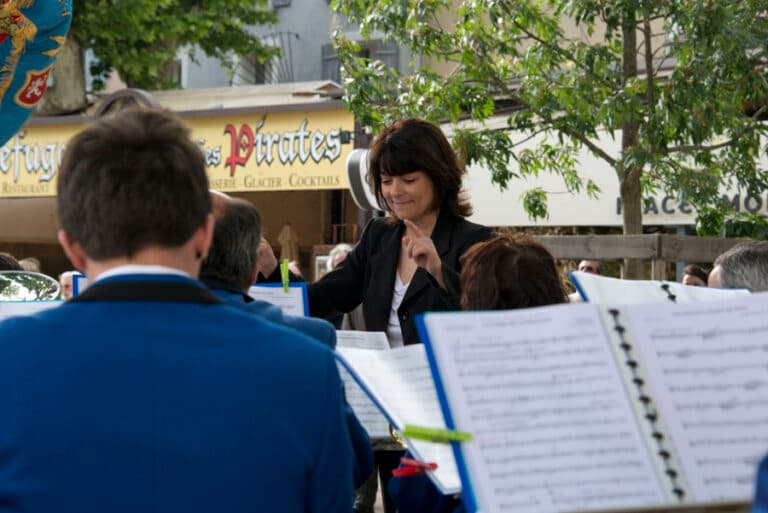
(696, 113)
(714, 222)
(137, 37)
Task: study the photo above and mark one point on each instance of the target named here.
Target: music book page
(541, 393)
(293, 302)
(401, 382)
(367, 413)
(605, 290)
(707, 366)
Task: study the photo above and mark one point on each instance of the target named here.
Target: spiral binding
(672, 297)
(646, 401)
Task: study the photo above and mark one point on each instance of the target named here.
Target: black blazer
(367, 275)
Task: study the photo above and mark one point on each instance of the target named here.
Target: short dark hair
(8, 263)
(745, 265)
(410, 145)
(132, 181)
(696, 271)
(509, 272)
(235, 245)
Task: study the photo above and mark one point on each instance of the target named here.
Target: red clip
(413, 467)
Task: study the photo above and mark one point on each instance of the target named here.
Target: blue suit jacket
(319, 330)
(119, 404)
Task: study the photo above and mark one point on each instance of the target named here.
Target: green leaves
(693, 108)
(138, 37)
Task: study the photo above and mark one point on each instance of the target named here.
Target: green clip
(284, 274)
(438, 435)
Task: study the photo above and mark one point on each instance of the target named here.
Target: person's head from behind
(413, 171)
(590, 266)
(8, 263)
(233, 255)
(694, 275)
(745, 265)
(337, 255)
(30, 264)
(133, 188)
(505, 272)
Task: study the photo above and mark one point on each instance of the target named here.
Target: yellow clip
(438, 435)
(284, 274)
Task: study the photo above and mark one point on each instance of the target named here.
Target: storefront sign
(494, 207)
(277, 151)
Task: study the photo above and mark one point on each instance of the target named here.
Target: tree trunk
(66, 95)
(631, 189)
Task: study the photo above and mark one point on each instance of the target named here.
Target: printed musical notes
(542, 395)
(707, 367)
(401, 382)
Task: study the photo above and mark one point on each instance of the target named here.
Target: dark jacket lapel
(383, 268)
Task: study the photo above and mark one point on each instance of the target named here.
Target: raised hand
(419, 247)
(265, 258)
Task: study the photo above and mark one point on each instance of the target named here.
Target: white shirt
(139, 269)
(394, 333)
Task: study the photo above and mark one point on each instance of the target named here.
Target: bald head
(236, 236)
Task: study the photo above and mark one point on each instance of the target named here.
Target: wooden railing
(658, 248)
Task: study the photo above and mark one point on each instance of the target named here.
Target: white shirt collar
(140, 269)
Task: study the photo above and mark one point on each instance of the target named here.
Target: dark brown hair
(132, 181)
(8, 263)
(235, 245)
(506, 272)
(696, 271)
(410, 145)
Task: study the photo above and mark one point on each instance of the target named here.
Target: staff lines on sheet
(669, 335)
(720, 369)
(528, 471)
(484, 399)
(581, 366)
(571, 484)
(591, 453)
(595, 406)
(513, 354)
(547, 383)
(688, 353)
(720, 442)
(749, 385)
(706, 424)
(562, 439)
(730, 404)
(602, 497)
(518, 427)
(482, 341)
(749, 461)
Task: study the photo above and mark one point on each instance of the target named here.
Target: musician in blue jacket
(229, 270)
(146, 393)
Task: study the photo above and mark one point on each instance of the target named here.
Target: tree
(682, 84)
(140, 38)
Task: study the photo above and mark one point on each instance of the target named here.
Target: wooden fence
(658, 248)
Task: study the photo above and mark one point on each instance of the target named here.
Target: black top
(368, 275)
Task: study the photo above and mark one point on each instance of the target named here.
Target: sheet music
(401, 381)
(541, 393)
(367, 413)
(291, 302)
(605, 290)
(17, 308)
(707, 364)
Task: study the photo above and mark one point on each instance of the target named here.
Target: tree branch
(687, 148)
